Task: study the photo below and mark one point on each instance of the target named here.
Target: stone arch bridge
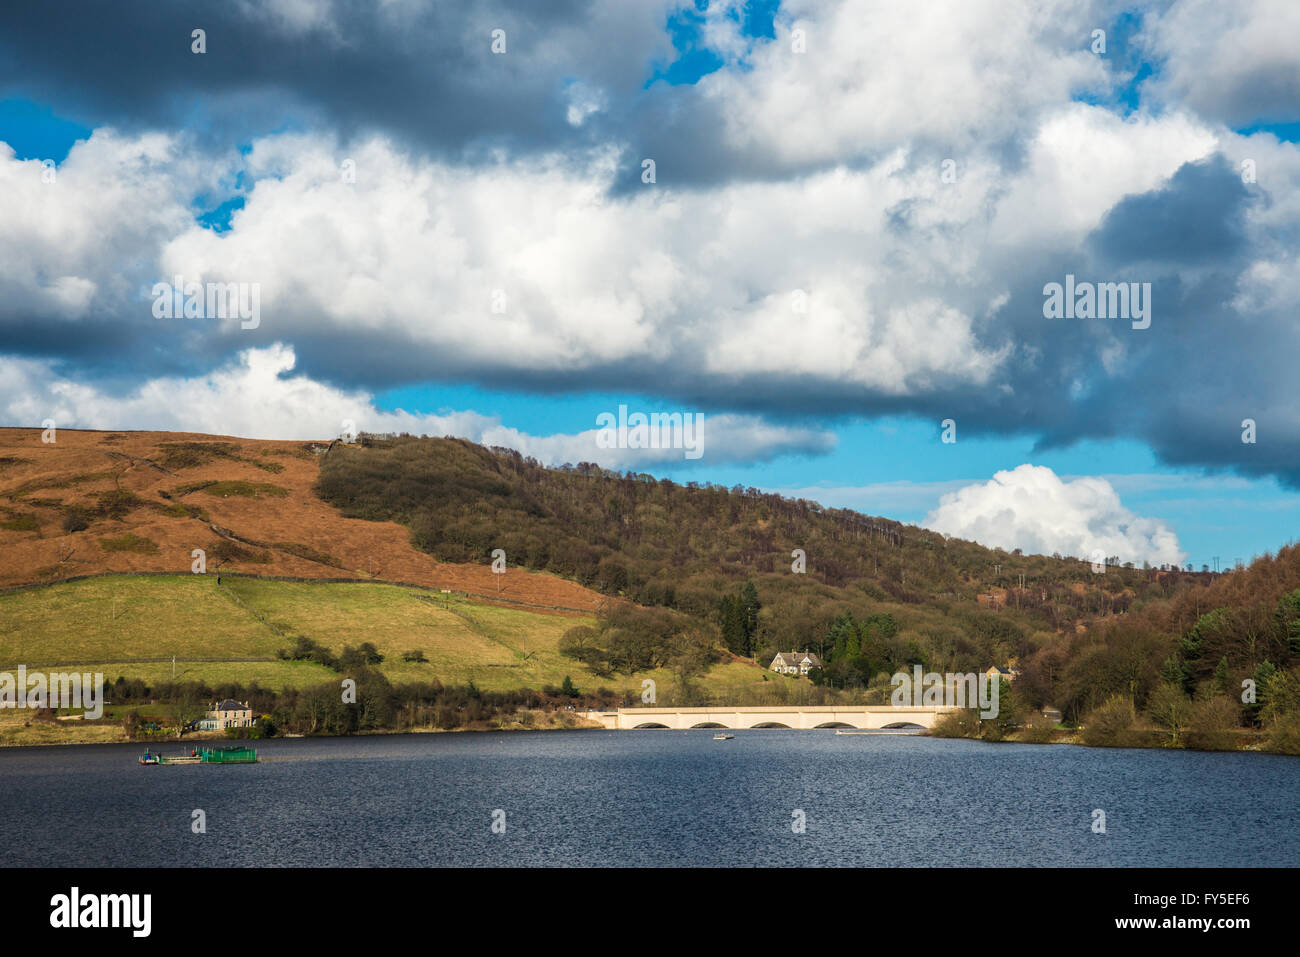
(861, 717)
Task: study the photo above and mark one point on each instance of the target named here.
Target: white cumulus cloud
(255, 397)
(1032, 508)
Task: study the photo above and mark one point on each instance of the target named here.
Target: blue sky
(34, 132)
(934, 295)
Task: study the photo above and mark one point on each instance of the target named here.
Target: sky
(830, 229)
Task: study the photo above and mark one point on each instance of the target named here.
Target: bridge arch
(784, 717)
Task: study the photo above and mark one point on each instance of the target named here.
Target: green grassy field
(128, 616)
(101, 620)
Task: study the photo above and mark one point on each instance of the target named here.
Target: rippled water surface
(651, 798)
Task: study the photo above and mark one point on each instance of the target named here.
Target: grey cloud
(421, 72)
(1196, 219)
(1233, 62)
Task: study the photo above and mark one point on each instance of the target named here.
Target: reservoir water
(651, 798)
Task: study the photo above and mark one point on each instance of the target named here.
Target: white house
(795, 662)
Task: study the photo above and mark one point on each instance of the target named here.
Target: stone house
(227, 714)
(795, 662)
(1010, 674)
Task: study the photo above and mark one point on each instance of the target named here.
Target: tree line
(379, 705)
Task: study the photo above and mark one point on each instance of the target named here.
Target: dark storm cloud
(1184, 385)
(1197, 218)
(424, 73)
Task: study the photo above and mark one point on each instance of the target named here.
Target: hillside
(233, 633)
(1205, 642)
(611, 578)
(93, 502)
(952, 604)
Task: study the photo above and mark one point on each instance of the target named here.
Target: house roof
(229, 705)
(796, 658)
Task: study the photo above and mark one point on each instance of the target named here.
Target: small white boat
(723, 737)
(842, 731)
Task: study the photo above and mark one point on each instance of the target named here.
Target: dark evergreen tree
(1221, 675)
(749, 607)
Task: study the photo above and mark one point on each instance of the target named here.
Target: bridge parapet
(860, 717)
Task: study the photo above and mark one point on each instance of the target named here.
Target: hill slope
(949, 603)
(148, 499)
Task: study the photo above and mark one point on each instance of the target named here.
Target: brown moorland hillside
(93, 502)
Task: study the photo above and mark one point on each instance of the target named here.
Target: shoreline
(95, 734)
(39, 734)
